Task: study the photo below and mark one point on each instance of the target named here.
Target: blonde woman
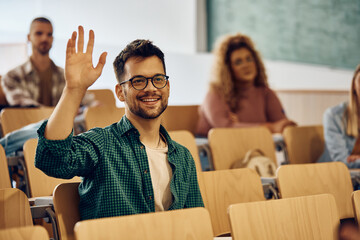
(341, 128)
(239, 95)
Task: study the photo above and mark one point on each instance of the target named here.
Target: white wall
(171, 24)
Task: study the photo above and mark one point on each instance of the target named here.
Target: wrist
(78, 91)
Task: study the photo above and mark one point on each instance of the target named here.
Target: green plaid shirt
(115, 170)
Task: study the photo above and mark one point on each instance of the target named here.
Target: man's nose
(150, 86)
(45, 37)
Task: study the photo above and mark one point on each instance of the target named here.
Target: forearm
(73, 156)
(61, 121)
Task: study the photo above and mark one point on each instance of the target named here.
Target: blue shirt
(338, 145)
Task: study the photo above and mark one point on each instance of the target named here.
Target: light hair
(222, 81)
(351, 113)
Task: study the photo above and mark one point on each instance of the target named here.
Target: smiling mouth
(149, 99)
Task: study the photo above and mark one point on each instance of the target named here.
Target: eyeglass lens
(139, 83)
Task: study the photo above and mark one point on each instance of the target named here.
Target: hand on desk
(279, 126)
(352, 158)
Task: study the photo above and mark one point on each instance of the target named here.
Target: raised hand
(79, 70)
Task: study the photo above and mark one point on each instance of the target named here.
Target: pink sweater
(259, 105)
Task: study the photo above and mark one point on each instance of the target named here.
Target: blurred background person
(239, 94)
(341, 128)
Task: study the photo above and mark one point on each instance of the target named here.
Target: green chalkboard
(325, 32)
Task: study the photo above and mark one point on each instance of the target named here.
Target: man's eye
(138, 81)
(158, 79)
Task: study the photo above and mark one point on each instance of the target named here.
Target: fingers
(90, 45)
(81, 39)
(70, 47)
(99, 67)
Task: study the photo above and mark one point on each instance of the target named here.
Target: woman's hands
(79, 71)
(279, 126)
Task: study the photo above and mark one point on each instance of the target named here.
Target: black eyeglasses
(140, 82)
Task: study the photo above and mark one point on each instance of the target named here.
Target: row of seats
(304, 144)
(219, 188)
(222, 188)
(306, 217)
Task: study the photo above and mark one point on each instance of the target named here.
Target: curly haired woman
(239, 95)
(341, 128)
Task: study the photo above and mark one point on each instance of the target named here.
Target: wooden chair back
(25, 233)
(296, 180)
(226, 187)
(106, 97)
(102, 116)
(191, 223)
(5, 181)
(66, 204)
(16, 118)
(304, 144)
(309, 217)
(355, 196)
(229, 145)
(14, 209)
(181, 118)
(40, 183)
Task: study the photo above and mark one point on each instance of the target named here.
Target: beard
(137, 110)
(43, 48)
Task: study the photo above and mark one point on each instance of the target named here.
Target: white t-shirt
(161, 173)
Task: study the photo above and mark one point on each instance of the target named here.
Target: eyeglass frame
(147, 81)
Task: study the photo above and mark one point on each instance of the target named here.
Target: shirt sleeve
(15, 92)
(334, 134)
(194, 198)
(73, 156)
(274, 109)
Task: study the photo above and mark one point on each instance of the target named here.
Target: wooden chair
(181, 118)
(102, 116)
(296, 180)
(40, 184)
(16, 118)
(226, 187)
(14, 209)
(355, 196)
(25, 233)
(304, 144)
(229, 145)
(309, 217)
(66, 204)
(104, 96)
(192, 223)
(5, 181)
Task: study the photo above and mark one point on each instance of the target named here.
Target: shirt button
(141, 147)
(150, 197)
(146, 171)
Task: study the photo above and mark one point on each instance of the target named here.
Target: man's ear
(28, 37)
(119, 92)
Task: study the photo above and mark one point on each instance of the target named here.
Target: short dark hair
(40, 19)
(139, 48)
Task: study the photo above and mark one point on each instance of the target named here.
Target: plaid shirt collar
(125, 126)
